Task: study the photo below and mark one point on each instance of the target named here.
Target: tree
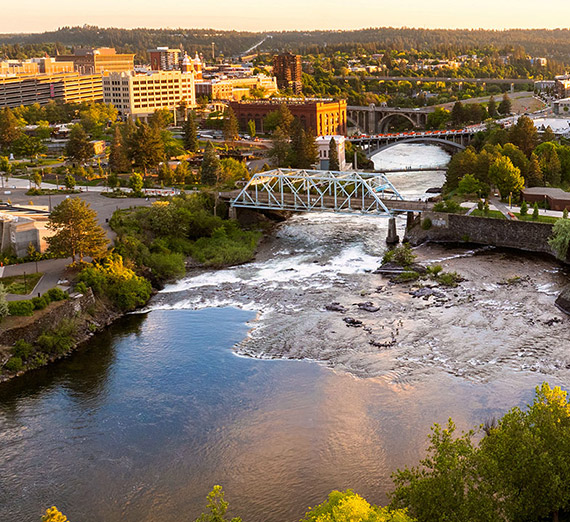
(190, 131)
(506, 177)
(347, 506)
(535, 211)
(526, 457)
(230, 128)
(549, 163)
(492, 107)
(76, 231)
(469, 185)
(233, 170)
(95, 117)
(28, 146)
(517, 157)
(211, 169)
(217, 507)
(69, 182)
(4, 310)
(524, 135)
(281, 118)
(146, 147)
(457, 113)
(251, 128)
(438, 118)
(333, 155)
(136, 183)
(37, 179)
(505, 105)
(447, 486)
(79, 148)
(560, 238)
(548, 135)
(160, 118)
(9, 128)
(54, 515)
(118, 158)
(304, 150)
(280, 147)
(524, 209)
(534, 177)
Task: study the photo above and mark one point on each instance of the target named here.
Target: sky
(272, 15)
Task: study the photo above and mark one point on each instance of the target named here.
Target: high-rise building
(288, 71)
(164, 59)
(139, 95)
(93, 61)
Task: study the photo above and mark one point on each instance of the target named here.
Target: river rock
(368, 306)
(350, 321)
(563, 300)
(335, 307)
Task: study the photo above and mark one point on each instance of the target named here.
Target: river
(241, 377)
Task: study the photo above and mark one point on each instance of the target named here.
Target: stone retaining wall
(456, 228)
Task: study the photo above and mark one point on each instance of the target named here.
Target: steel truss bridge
(323, 191)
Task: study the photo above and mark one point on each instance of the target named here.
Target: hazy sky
(42, 15)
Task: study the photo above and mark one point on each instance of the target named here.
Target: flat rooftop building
(97, 61)
(139, 95)
(556, 198)
(324, 116)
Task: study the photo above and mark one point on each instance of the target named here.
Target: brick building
(288, 71)
(96, 61)
(323, 116)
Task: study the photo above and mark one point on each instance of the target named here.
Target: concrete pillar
(232, 213)
(392, 238)
(410, 218)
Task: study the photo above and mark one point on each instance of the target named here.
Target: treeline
(510, 160)
(445, 43)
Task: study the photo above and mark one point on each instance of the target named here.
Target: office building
(236, 88)
(164, 59)
(288, 71)
(139, 95)
(324, 116)
(323, 144)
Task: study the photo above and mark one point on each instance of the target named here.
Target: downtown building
(324, 116)
(288, 70)
(138, 95)
(97, 61)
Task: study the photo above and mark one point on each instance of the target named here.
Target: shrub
(408, 276)
(25, 307)
(535, 211)
(40, 302)
(451, 279)
(166, 265)
(81, 288)
(426, 223)
(59, 340)
(433, 271)
(449, 205)
(22, 349)
(401, 255)
(56, 294)
(524, 209)
(14, 364)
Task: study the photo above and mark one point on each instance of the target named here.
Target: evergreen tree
(190, 133)
(211, 169)
(505, 105)
(118, 159)
(304, 150)
(524, 208)
(251, 128)
(9, 129)
(76, 230)
(524, 135)
(457, 113)
(280, 147)
(230, 128)
(534, 177)
(79, 148)
(535, 211)
(548, 135)
(333, 155)
(492, 107)
(146, 147)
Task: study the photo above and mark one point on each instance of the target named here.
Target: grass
(495, 214)
(17, 284)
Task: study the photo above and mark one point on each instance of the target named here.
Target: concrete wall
(523, 235)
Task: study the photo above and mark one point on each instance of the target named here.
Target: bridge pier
(392, 238)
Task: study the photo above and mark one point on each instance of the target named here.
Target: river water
(241, 377)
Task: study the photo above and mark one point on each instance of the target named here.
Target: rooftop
(548, 191)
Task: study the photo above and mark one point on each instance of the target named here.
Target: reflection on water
(141, 423)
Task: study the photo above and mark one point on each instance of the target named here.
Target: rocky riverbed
(325, 303)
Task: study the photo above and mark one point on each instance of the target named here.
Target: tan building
(139, 95)
(324, 116)
(92, 61)
(41, 88)
(22, 225)
(236, 88)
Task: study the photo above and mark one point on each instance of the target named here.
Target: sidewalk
(53, 270)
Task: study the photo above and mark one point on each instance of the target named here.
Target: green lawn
(498, 215)
(17, 284)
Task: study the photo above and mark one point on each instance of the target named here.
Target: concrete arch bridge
(373, 119)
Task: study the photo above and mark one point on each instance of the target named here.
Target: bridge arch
(449, 146)
(382, 125)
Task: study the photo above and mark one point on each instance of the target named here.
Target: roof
(547, 191)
